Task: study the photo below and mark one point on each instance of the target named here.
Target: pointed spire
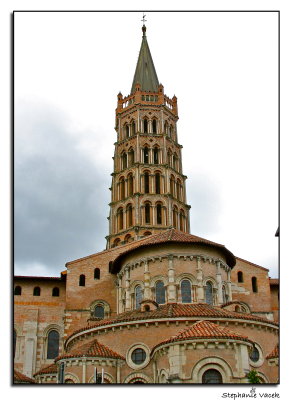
(145, 73)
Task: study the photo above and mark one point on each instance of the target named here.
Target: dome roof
(172, 236)
(204, 330)
(91, 349)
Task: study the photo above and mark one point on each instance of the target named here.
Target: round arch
(163, 376)
(263, 377)
(156, 279)
(136, 376)
(216, 363)
(73, 377)
(185, 275)
(210, 279)
(102, 303)
(134, 284)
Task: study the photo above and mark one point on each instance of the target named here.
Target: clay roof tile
(274, 353)
(91, 349)
(18, 377)
(204, 330)
(51, 369)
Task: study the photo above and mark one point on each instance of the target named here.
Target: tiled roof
(91, 349)
(274, 282)
(274, 353)
(176, 310)
(173, 236)
(18, 377)
(48, 369)
(204, 330)
(43, 278)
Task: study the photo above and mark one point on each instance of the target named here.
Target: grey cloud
(61, 196)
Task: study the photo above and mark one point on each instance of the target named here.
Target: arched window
(154, 126)
(127, 238)
(138, 296)
(99, 311)
(127, 131)
(36, 291)
(178, 189)
(96, 273)
(133, 128)
(209, 293)
(53, 344)
(146, 155)
(120, 218)
(82, 280)
(172, 183)
(122, 188)
(212, 376)
(254, 284)
(14, 342)
(116, 242)
(239, 277)
(166, 131)
(160, 292)
(169, 158)
(170, 131)
(159, 214)
(124, 160)
(147, 213)
(175, 161)
(131, 157)
(130, 215)
(146, 182)
(130, 185)
(17, 291)
(186, 291)
(182, 220)
(157, 183)
(145, 125)
(56, 292)
(156, 155)
(174, 217)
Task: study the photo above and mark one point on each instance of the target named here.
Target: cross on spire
(143, 19)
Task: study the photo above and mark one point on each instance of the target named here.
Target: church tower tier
(148, 193)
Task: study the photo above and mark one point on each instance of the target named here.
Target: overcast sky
(69, 68)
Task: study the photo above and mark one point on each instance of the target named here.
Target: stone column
(118, 372)
(120, 299)
(124, 219)
(229, 285)
(171, 289)
(84, 371)
(152, 214)
(128, 295)
(219, 283)
(147, 289)
(137, 220)
(200, 290)
(151, 178)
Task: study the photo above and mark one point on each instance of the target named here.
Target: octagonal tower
(148, 193)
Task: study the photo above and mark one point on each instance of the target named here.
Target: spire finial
(144, 27)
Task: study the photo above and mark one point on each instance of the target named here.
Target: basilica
(159, 305)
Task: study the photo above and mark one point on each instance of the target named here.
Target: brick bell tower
(148, 193)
